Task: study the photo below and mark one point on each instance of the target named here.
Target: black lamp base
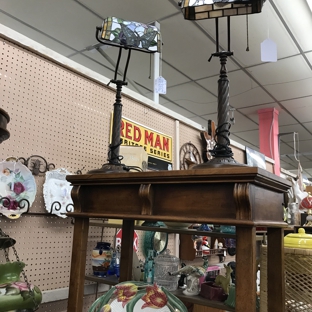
(109, 168)
(219, 162)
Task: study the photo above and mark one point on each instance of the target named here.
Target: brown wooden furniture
(242, 196)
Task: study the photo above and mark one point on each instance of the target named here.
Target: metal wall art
(17, 189)
(36, 164)
(56, 193)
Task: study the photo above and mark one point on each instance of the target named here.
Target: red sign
(135, 239)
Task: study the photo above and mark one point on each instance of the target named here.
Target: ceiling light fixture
(215, 9)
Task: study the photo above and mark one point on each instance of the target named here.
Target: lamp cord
(222, 150)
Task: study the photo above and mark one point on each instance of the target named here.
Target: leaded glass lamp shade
(206, 9)
(129, 35)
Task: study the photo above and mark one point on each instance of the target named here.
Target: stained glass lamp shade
(129, 35)
(206, 9)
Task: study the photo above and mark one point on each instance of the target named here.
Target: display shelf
(242, 196)
(113, 280)
(108, 280)
(202, 301)
(167, 230)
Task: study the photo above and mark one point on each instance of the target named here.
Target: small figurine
(193, 274)
(224, 281)
(205, 246)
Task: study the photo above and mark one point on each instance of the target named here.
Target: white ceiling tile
(286, 148)
(85, 61)
(36, 35)
(260, 25)
(282, 72)
(248, 136)
(308, 125)
(243, 90)
(188, 49)
(242, 123)
(68, 21)
(309, 56)
(133, 10)
(297, 15)
(291, 90)
(284, 118)
(299, 108)
(193, 98)
(178, 109)
(303, 133)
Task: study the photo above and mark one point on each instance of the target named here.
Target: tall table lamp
(215, 9)
(128, 35)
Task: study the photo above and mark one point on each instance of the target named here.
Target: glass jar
(101, 259)
(165, 263)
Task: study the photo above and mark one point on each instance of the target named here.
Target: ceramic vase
(101, 259)
(14, 294)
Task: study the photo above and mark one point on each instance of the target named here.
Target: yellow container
(298, 240)
(298, 273)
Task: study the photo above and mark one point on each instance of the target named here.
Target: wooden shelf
(242, 196)
(202, 301)
(167, 230)
(108, 280)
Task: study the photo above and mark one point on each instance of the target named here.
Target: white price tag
(268, 51)
(160, 85)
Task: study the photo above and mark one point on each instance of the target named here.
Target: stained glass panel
(130, 34)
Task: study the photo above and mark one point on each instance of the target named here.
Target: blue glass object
(228, 229)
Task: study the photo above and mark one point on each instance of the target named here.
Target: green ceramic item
(14, 294)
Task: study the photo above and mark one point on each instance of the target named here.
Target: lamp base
(109, 168)
(219, 162)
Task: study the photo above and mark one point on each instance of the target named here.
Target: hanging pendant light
(207, 9)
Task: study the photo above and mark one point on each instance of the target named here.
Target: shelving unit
(246, 197)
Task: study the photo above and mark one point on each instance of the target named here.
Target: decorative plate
(137, 297)
(57, 193)
(17, 189)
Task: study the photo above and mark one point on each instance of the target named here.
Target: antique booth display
(246, 197)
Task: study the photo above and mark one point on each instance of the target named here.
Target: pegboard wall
(65, 117)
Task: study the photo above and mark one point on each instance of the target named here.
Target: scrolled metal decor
(36, 164)
(57, 206)
(14, 205)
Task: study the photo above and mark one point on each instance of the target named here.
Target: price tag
(160, 85)
(268, 51)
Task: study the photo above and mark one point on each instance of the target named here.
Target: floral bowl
(133, 296)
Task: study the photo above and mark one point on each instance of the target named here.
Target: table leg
(246, 269)
(78, 265)
(126, 257)
(275, 272)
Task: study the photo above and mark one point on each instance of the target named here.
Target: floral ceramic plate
(57, 193)
(137, 297)
(17, 189)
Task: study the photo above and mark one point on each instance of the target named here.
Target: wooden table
(239, 195)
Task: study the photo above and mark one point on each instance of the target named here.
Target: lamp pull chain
(150, 67)
(247, 28)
